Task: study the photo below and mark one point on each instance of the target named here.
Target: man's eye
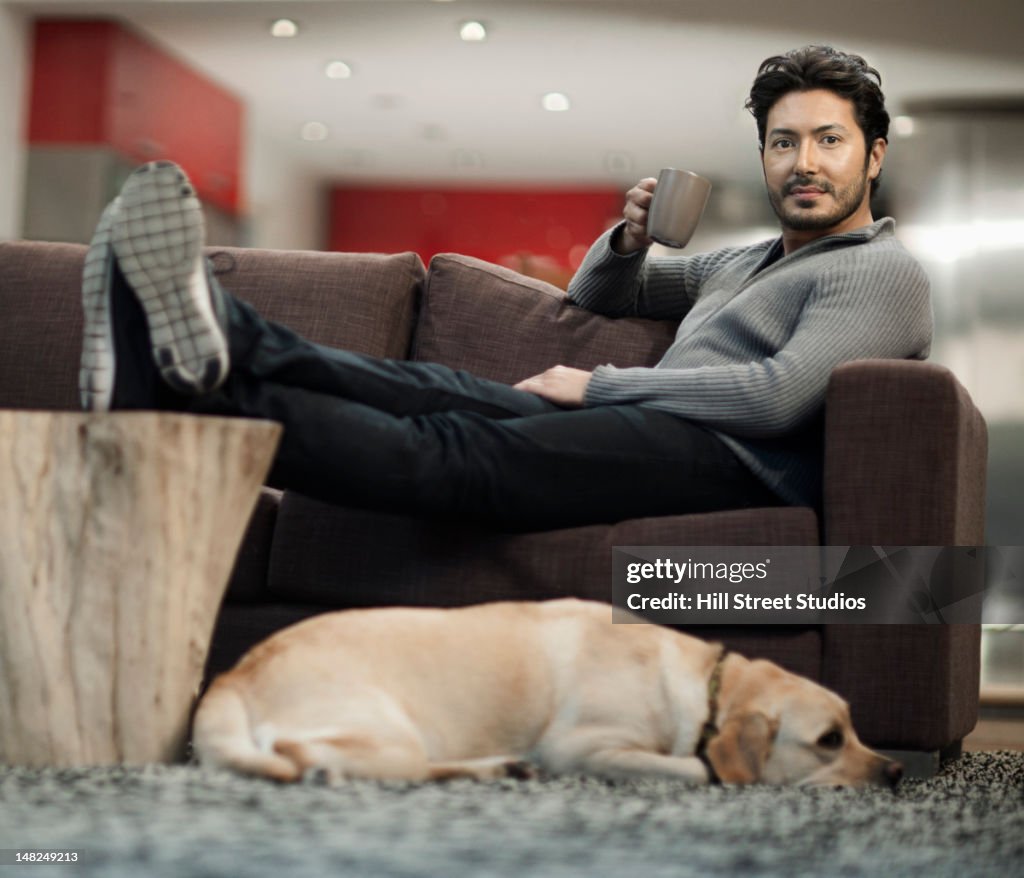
(783, 144)
(830, 139)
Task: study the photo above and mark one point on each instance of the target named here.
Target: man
(729, 418)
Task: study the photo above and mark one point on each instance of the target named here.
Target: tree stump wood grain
(118, 533)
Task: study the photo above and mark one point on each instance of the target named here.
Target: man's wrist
(622, 243)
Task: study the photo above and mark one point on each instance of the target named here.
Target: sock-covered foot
(157, 237)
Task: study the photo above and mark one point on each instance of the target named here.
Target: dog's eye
(831, 740)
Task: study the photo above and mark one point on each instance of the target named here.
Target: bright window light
(947, 243)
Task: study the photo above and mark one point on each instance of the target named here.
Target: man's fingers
(636, 215)
(534, 383)
(638, 203)
(640, 198)
(635, 212)
(641, 194)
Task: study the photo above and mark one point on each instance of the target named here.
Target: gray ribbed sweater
(759, 337)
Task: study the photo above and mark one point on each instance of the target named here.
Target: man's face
(816, 165)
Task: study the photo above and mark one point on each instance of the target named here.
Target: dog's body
(426, 694)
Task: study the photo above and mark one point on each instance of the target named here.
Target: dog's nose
(893, 772)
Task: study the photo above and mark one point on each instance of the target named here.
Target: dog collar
(710, 728)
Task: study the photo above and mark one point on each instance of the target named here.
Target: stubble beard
(798, 219)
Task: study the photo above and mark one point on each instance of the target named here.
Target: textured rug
(189, 821)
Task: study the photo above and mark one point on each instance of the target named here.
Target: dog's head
(778, 728)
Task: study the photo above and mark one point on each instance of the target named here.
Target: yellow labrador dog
(421, 694)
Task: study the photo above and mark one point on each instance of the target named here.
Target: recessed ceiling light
(314, 131)
(284, 27)
(555, 102)
(338, 70)
(472, 32)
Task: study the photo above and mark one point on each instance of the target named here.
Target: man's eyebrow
(821, 129)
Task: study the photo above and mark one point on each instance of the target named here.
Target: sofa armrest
(905, 457)
(910, 687)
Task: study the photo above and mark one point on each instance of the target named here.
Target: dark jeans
(420, 438)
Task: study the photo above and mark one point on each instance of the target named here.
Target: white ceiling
(651, 83)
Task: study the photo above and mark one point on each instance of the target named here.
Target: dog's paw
(488, 768)
(317, 776)
(518, 769)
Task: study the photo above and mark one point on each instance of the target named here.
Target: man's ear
(877, 157)
(738, 753)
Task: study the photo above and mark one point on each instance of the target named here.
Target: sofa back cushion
(363, 302)
(40, 324)
(501, 325)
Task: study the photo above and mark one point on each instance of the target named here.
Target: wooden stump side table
(118, 533)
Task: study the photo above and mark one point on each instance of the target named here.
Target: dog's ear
(739, 751)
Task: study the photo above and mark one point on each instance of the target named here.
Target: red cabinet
(99, 84)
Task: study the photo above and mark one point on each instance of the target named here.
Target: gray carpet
(185, 821)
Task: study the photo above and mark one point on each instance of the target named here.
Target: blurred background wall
(14, 50)
(958, 189)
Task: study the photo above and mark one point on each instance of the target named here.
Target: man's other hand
(638, 203)
(562, 385)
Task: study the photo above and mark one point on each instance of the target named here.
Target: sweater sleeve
(860, 308)
(638, 285)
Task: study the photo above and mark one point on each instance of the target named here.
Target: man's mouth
(806, 191)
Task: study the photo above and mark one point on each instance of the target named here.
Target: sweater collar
(880, 228)
(773, 254)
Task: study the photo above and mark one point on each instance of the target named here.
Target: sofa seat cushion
(337, 557)
(501, 325)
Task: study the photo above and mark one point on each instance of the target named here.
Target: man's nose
(807, 159)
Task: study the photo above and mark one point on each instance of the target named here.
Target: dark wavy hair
(814, 67)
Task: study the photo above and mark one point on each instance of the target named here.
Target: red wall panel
(163, 108)
(544, 232)
(96, 82)
(70, 72)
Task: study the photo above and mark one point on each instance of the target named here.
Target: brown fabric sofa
(905, 465)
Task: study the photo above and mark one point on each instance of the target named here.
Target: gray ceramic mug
(679, 201)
